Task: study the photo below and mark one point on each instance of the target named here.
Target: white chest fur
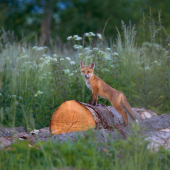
(88, 84)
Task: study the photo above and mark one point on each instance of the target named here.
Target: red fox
(99, 87)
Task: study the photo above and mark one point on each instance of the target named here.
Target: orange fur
(99, 87)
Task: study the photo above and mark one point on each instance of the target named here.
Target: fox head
(87, 70)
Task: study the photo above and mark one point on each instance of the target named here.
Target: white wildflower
(99, 35)
(108, 57)
(101, 52)
(75, 46)
(54, 55)
(34, 48)
(108, 49)
(87, 48)
(116, 54)
(78, 47)
(86, 34)
(92, 34)
(75, 36)
(68, 58)
(75, 71)
(0, 94)
(54, 59)
(24, 56)
(147, 68)
(66, 71)
(61, 59)
(13, 96)
(38, 93)
(23, 49)
(48, 58)
(46, 62)
(72, 62)
(157, 62)
(45, 47)
(41, 58)
(69, 38)
(71, 74)
(44, 55)
(39, 48)
(95, 49)
(78, 38)
(27, 63)
(20, 97)
(80, 54)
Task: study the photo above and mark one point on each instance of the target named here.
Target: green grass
(85, 153)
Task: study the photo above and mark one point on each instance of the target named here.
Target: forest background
(47, 19)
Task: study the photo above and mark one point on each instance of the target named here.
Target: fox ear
(92, 65)
(81, 64)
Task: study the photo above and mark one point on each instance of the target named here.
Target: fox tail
(128, 108)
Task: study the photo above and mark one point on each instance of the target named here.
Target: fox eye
(83, 71)
(88, 72)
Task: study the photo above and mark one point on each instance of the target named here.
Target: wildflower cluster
(91, 34)
(39, 48)
(75, 37)
(38, 93)
(89, 52)
(69, 73)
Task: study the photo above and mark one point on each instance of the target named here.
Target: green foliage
(36, 80)
(85, 153)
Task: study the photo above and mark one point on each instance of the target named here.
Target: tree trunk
(104, 117)
(46, 24)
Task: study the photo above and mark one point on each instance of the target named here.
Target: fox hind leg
(122, 112)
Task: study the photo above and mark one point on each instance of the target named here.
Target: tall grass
(36, 80)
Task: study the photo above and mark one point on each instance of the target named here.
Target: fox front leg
(94, 98)
(95, 102)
